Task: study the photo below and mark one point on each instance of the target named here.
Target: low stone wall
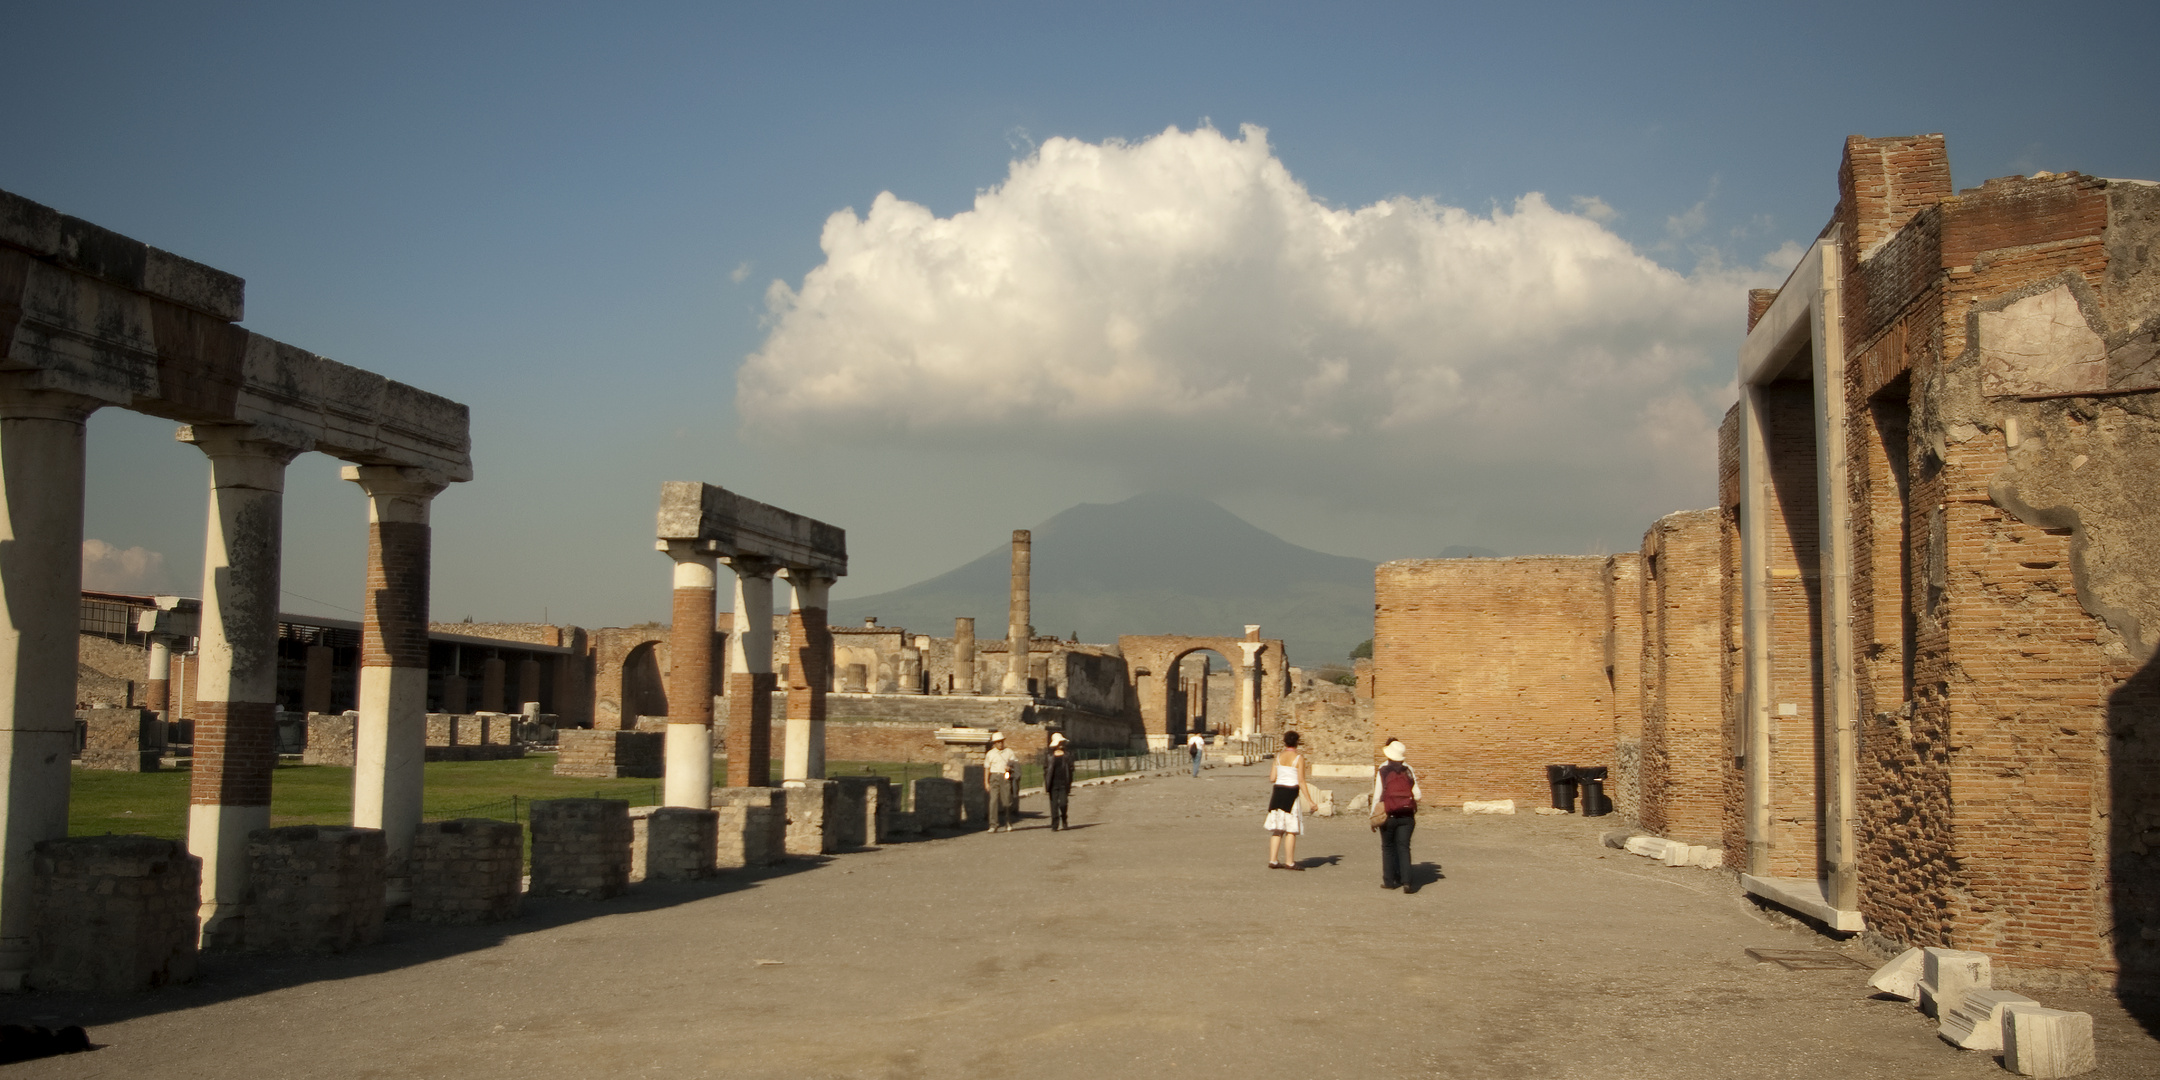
(470, 870)
(752, 826)
(872, 801)
(1334, 725)
(813, 809)
(121, 740)
(937, 803)
(902, 727)
(314, 889)
(580, 848)
(672, 843)
(609, 755)
(472, 753)
(113, 914)
(331, 738)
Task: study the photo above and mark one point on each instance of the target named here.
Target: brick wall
(1682, 748)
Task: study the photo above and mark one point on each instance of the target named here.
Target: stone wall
(314, 889)
(470, 870)
(814, 808)
(330, 739)
(887, 727)
(672, 843)
(937, 803)
(879, 799)
(121, 740)
(609, 755)
(1334, 725)
(580, 848)
(113, 914)
(1682, 755)
(752, 825)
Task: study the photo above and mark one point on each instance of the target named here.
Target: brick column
(236, 725)
(390, 742)
(690, 674)
(809, 675)
(750, 676)
(41, 507)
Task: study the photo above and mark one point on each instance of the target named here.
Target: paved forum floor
(1150, 940)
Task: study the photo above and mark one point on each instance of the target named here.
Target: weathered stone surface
(314, 889)
(1947, 975)
(1490, 806)
(330, 739)
(470, 870)
(580, 848)
(1976, 1023)
(812, 805)
(871, 799)
(2046, 1042)
(937, 803)
(121, 740)
(751, 829)
(113, 914)
(1900, 977)
(609, 755)
(672, 843)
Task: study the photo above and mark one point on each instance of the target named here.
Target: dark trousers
(1395, 850)
(1058, 799)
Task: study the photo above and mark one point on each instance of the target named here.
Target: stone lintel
(738, 526)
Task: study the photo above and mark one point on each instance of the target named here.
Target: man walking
(1197, 747)
(1001, 776)
(1058, 781)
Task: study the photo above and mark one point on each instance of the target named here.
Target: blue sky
(571, 217)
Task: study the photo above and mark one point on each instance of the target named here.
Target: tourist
(1000, 776)
(1197, 747)
(1057, 781)
(1395, 796)
(1284, 822)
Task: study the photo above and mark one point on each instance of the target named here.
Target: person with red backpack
(1395, 797)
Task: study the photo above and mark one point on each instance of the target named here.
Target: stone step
(1976, 1022)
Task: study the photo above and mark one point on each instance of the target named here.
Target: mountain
(1153, 564)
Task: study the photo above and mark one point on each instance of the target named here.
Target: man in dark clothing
(1058, 780)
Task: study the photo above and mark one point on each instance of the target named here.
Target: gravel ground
(1148, 939)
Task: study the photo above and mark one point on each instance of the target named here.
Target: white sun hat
(1393, 750)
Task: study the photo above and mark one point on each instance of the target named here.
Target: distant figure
(1058, 780)
(1002, 778)
(1197, 747)
(1395, 796)
(1284, 823)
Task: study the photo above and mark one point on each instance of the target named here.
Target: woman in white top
(1284, 823)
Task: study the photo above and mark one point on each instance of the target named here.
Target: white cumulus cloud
(106, 568)
(1184, 299)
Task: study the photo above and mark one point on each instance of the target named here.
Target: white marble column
(1249, 683)
(690, 676)
(390, 741)
(41, 535)
(1019, 623)
(236, 728)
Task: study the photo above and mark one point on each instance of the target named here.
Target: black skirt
(1284, 799)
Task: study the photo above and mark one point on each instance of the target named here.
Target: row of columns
(751, 680)
(42, 454)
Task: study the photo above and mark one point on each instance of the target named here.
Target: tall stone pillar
(41, 535)
(315, 690)
(750, 676)
(528, 684)
(809, 673)
(963, 656)
(1249, 682)
(1019, 626)
(690, 674)
(236, 725)
(491, 684)
(390, 740)
(157, 680)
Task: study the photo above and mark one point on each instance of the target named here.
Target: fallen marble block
(2039, 1041)
(1493, 806)
(1709, 858)
(1649, 847)
(1900, 977)
(1947, 975)
(1548, 811)
(1976, 1024)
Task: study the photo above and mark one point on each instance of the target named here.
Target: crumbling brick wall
(1682, 728)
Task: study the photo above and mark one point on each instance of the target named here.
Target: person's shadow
(1425, 873)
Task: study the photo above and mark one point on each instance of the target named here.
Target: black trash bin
(1592, 780)
(1562, 779)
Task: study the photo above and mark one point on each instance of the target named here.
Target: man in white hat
(1058, 780)
(1001, 776)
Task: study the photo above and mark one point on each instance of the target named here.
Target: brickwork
(1682, 746)
(1490, 669)
(580, 848)
(330, 739)
(1793, 554)
(749, 729)
(235, 751)
(1334, 725)
(122, 740)
(672, 843)
(609, 755)
(691, 648)
(113, 914)
(314, 889)
(397, 596)
(1733, 669)
(1629, 679)
(751, 826)
(627, 662)
(470, 870)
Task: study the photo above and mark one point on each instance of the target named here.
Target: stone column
(1019, 625)
(315, 690)
(690, 676)
(41, 508)
(157, 681)
(236, 725)
(963, 656)
(390, 740)
(1249, 682)
(809, 673)
(750, 676)
(491, 683)
(528, 685)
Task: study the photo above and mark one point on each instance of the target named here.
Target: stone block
(2046, 1042)
(470, 870)
(1489, 806)
(1900, 977)
(580, 848)
(1976, 1023)
(441, 729)
(471, 730)
(1947, 975)
(902, 823)
(751, 829)
(672, 843)
(1709, 858)
(331, 739)
(121, 740)
(113, 914)
(937, 803)
(610, 755)
(869, 808)
(314, 889)
(812, 806)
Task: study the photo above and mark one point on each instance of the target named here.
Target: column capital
(1251, 649)
(19, 402)
(241, 455)
(397, 481)
(701, 551)
(751, 566)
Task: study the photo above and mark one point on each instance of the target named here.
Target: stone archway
(1150, 663)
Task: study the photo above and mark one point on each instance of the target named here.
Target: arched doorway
(644, 691)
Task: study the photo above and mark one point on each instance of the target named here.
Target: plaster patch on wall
(2040, 345)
